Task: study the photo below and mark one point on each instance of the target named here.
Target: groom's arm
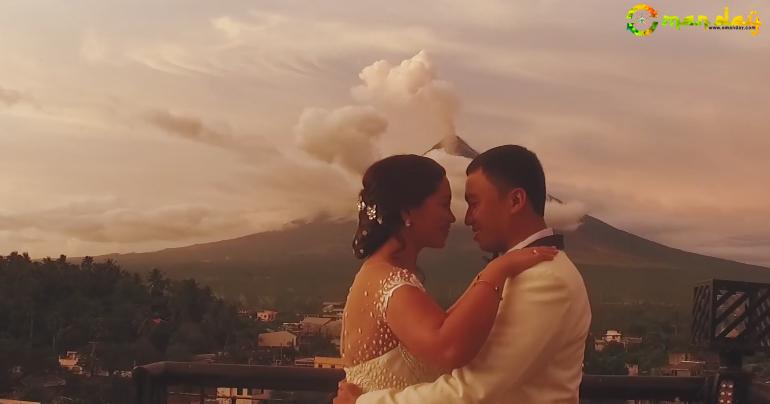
(535, 304)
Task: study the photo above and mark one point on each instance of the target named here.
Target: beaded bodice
(373, 357)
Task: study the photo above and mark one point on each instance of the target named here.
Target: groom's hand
(347, 393)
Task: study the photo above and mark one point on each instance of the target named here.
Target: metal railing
(152, 382)
(731, 318)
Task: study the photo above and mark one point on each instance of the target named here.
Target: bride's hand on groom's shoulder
(517, 261)
(347, 393)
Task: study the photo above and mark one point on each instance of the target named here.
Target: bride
(394, 336)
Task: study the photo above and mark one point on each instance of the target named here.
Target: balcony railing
(152, 382)
(731, 318)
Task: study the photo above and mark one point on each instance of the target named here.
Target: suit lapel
(555, 240)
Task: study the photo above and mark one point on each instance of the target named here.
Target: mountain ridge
(315, 259)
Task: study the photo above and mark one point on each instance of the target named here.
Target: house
(632, 341)
(329, 307)
(613, 336)
(70, 362)
(313, 325)
(267, 316)
(278, 339)
(333, 308)
(675, 358)
(682, 369)
(292, 327)
(332, 329)
(240, 395)
(683, 364)
(327, 362)
(305, 362)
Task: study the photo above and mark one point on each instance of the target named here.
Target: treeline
(114, 319)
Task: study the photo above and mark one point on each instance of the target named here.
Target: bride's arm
(452, 339)
(449, 310)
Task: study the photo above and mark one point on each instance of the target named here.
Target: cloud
(674, 154)
(260, 22)
(11, 97)
(93, 48)
(100, 221)
(565, 216)
(412, 83)
(176, 59)
(679, 219)
(264, 44)
(346, 136)
(250, 149)
(188, 127)
(319, 37)
(292, 188)
(230, 27)
(325, 189)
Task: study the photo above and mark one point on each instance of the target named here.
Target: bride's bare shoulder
(371, 269)
(375, 271)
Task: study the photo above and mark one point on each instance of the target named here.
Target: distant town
(73, 333)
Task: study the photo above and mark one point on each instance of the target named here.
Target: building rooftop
(317, 320)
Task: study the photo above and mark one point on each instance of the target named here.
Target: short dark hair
(512, 166)
(393, 184)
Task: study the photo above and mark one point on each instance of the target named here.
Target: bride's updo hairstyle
(392, 185)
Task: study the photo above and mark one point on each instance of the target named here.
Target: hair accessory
(371, 211)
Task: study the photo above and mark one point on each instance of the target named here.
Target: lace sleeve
(395, 280)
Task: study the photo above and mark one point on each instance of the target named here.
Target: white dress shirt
(537, 236)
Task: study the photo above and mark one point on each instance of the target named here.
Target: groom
(534, 353)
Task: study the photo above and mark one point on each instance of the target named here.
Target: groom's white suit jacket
(534, 353)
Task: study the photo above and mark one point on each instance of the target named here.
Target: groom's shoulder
(560, 263)
(560, 271)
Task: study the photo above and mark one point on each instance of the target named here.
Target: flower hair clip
(371, 211)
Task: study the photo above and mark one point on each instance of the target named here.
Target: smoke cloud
(564, 216)
(412, 84)
(346, 136)
(187, 127)
(10, 97)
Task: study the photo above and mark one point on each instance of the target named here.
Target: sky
(141, 125)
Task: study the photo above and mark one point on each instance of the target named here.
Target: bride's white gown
(373, 356)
